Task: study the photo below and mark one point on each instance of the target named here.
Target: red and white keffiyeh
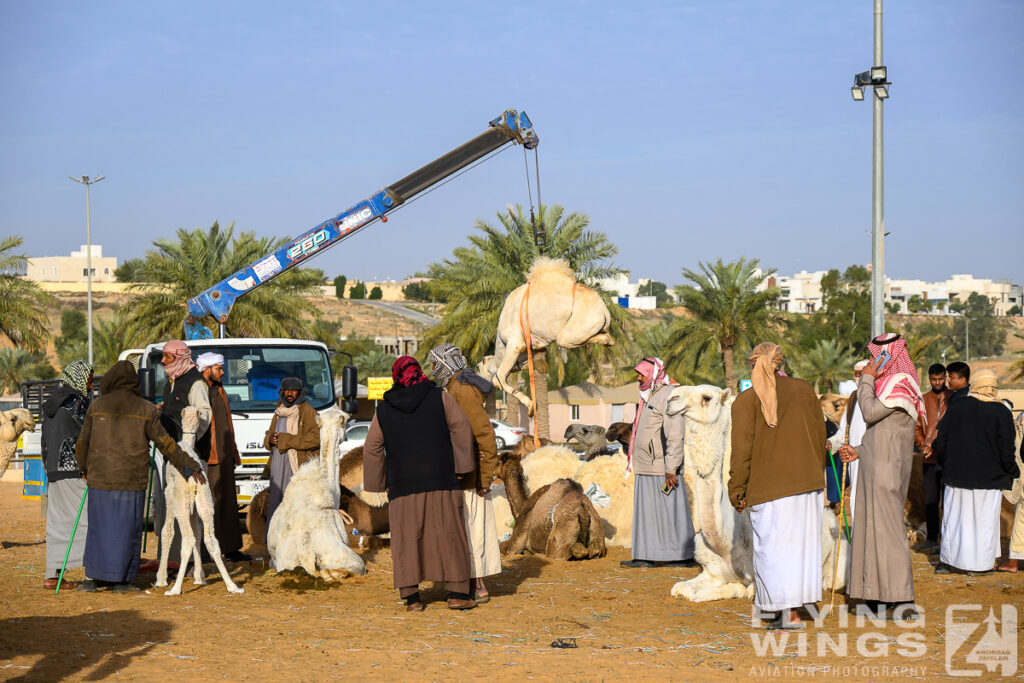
(896, 386)
(652, 373)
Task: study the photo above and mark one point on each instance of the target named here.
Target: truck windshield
(252, 374)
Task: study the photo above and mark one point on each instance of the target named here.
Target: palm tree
(478, 277)
(23, 304)
(825, 364)
(178, 270)
(374, 363)
(727, 312)
(21, 365)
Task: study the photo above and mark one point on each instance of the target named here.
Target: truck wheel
(500, 441)
(256, 518)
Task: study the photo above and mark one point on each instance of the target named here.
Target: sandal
(481, 599)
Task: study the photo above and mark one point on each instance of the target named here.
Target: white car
(506, 435)
(355, 435)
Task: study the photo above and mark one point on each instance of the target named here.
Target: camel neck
(515, 486)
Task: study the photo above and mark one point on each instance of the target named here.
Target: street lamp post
(85, 180)
(876, 77)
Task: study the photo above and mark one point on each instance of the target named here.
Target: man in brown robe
(418, 447)
(470, 390)
(890, 399)
(220, 453)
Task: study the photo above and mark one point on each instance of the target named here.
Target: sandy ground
(288, 626)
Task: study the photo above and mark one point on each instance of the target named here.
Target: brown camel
(557, 520)
(833, 406)
(620, 431)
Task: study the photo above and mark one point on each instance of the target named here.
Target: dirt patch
(289, 625)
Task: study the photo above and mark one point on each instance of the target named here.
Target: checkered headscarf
(447, 360)
(76, 376)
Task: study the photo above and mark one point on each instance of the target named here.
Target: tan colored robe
(881, 557)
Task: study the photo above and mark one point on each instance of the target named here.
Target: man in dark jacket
(418, 447)
(63, 414)
(935, 402)
(113, 456)
(975, 448)
(184, 388)
(220, 453)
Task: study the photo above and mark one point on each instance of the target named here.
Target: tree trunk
(730, 369)
(490, 402)
(540, 401)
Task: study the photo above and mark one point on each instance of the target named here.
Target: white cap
(209, 359)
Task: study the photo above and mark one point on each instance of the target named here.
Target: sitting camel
(184, 499)
(602, 479)
(724, 538)
(557, 520)
(307, 529)
(559, 310)
(592, 437)
(353, 501)
(12, 424)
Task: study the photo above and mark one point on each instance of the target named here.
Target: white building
(801, 293)
(71, 268)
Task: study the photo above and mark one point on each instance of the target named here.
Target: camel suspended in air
(558, 310)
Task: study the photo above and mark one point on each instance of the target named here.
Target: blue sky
(687, 131)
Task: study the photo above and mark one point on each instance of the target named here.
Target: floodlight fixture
(857, 92)
(881, 92)
(878, 74)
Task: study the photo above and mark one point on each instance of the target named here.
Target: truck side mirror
(350, 406)
(349, 382)
(147, 384)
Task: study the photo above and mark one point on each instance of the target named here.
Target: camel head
(14, 422)
(703, 404)
(332, 428)
(488, 369)
(833, 405)
(619, 431)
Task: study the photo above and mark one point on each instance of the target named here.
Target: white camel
(184, 498)
(724, 538)
(307, 529)
(559, 310)
(12, 424)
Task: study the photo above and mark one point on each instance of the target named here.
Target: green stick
(835, 475)
(60, 579)
(149, 495)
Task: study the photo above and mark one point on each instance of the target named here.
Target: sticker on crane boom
(242, 285)
(267, 268)
(355, 219)
(309, 244)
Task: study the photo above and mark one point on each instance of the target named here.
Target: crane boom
(217, 301)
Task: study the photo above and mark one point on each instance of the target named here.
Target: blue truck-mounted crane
(511, 127)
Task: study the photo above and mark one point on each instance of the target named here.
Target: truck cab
(253, 369)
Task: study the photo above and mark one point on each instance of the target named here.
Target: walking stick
(149, 491)
(60, 579)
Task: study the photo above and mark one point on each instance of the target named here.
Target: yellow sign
(376, 386)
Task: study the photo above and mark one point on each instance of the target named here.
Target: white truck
(253, 368)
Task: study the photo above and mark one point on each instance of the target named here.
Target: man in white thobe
(778, 470)
(975, 448)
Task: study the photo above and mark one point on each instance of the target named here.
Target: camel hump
(544, 267)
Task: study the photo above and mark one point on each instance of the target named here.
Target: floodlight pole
(877, 198)
(85, 180)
